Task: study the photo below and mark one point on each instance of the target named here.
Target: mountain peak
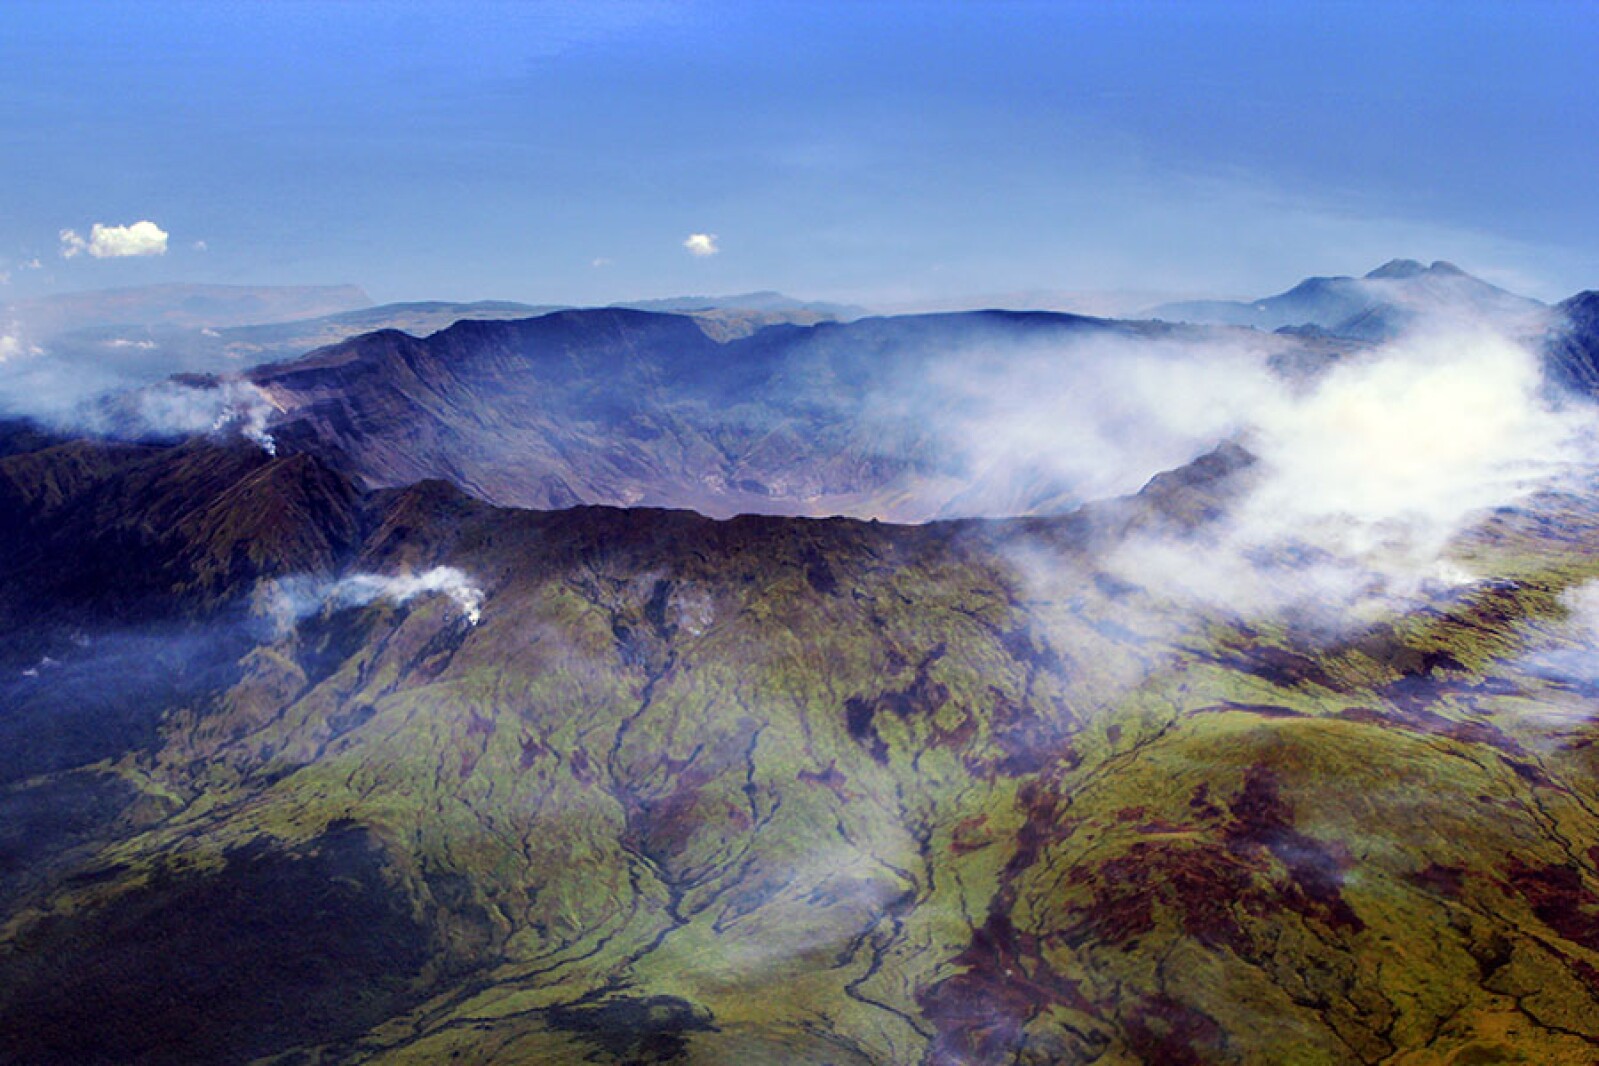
(1400, 268)
(1587, 300)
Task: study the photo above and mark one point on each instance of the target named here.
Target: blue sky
(883, 153)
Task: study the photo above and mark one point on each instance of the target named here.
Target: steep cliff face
(641, 786)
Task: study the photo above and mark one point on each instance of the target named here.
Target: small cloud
(33, 264)
(600, 261)
(115, 242)
(5, 277)
(701, 244)
(200, 246)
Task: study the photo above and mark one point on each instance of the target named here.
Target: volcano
(569, 781)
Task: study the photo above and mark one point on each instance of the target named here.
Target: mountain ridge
(790, 419)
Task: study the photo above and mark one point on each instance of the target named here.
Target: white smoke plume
(1582, 607)
(1392, 456)
(1567, 649)
(1094, 418)
(174, 408)
(74, 394)
(358, 590)
(287, 600)
(1365, 473)
(1420, 434)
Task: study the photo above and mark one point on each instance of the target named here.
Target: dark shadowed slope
(765, 790)
(1572, 344)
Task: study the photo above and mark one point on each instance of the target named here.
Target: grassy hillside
(768, 790)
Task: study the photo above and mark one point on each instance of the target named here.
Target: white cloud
(201, 246)
(1366, 470)
(115, 242)
(1365, 478)
(1424, 431)
(33, 264)
(1095, 417)
(701, 244)
(600, 261)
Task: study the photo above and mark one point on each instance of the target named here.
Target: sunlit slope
(785, 790)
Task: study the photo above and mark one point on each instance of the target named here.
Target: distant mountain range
(765, 300)
(304, 307)
(1376, 307)
(184, 306)
(94, 342)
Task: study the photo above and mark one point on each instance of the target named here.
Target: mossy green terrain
(772, 790)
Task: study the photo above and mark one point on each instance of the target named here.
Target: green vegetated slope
(770, 790)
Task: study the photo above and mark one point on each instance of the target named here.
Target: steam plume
(1366, 472)
(175, 408)
(290, 599)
